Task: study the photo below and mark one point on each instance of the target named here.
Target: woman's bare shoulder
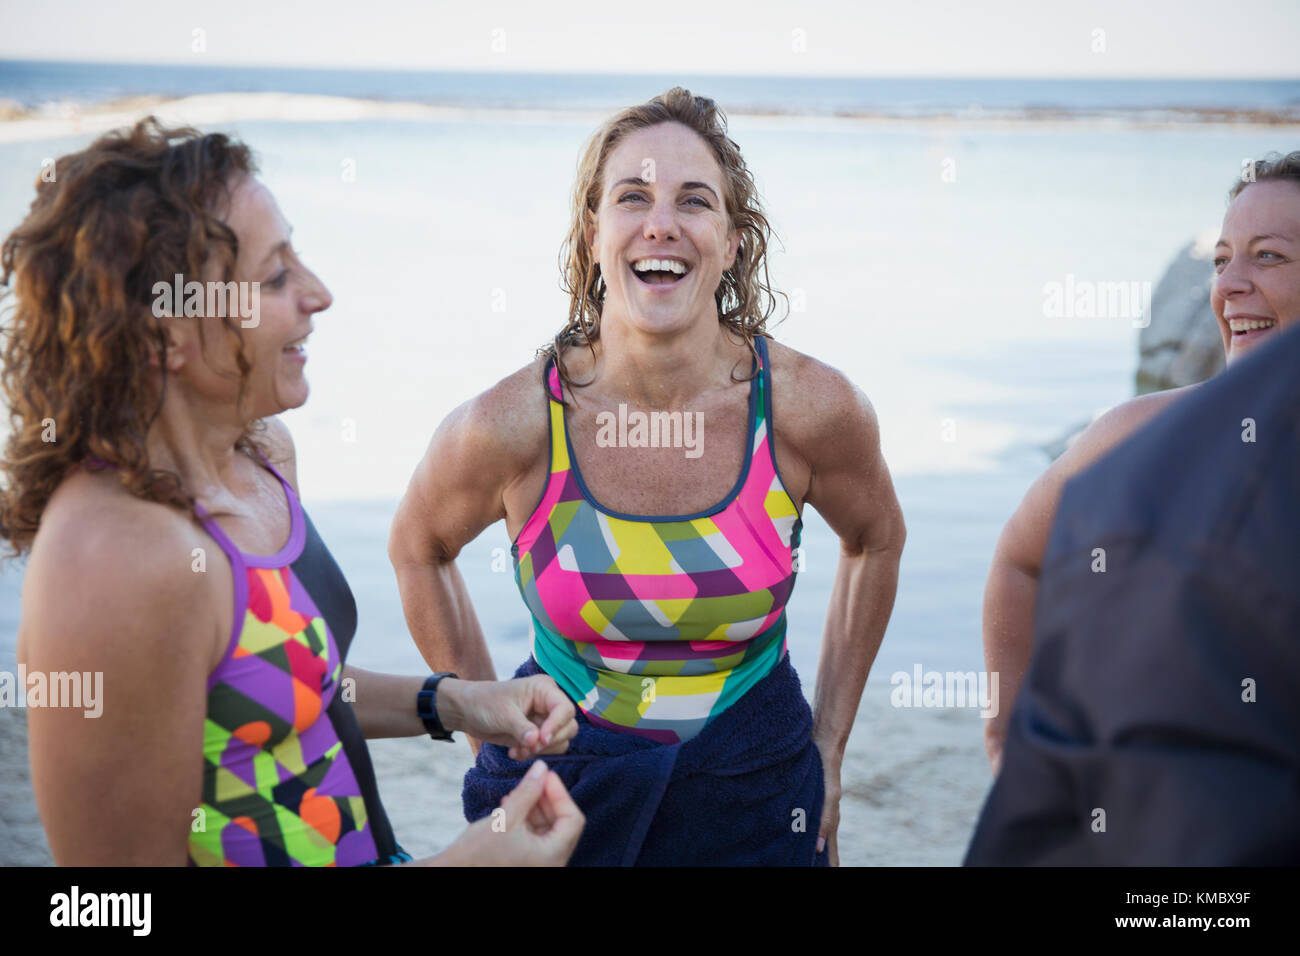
(812, 398)
(91, 516)
(481, 449)
(511, 417)
(105, 540)
(105, 560)
(1113, 427)
(489, 440)
(1024, 538)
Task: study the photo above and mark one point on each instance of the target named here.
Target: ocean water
(38, 83)
(918, 252)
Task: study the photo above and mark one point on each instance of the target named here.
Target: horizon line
(543, 71)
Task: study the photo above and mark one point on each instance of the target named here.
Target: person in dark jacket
(1159, 723)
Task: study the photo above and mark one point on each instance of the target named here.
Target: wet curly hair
(744, 297)
(76, 278)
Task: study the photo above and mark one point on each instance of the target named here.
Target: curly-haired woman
(231, 732)
(654, 504)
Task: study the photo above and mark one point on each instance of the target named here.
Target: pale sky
(841, 37)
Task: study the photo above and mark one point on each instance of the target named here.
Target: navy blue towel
(746, 791)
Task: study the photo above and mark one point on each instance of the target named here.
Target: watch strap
(426, 706)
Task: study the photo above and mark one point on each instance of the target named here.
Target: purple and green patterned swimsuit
(287, 779)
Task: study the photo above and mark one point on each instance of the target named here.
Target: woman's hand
(530, 715)
(537, 824)
(830, 822)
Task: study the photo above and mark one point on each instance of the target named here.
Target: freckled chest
(700, 453)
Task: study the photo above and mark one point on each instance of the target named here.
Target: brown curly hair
(134, 208)
(744, 297)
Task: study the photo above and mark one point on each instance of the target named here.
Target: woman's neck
(198, 447)
(659, 372)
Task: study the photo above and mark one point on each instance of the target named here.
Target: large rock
(1182, 345)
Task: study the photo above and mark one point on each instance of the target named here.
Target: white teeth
(1246, 325)
(297, 343)
(660, 265)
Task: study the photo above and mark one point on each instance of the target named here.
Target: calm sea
(34, 83)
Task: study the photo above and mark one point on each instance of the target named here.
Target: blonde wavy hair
(744, 297)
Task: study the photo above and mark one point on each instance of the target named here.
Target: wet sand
(914, 781)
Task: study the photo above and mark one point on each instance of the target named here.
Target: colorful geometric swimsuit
(287, 779)
(655, 625)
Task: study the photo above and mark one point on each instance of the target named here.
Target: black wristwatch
(426, 705)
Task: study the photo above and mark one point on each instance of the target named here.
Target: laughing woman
(1254, 296)
(140, 454)
(657, 577)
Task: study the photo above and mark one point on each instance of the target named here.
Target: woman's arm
(1009, 597)
(111, 595)
(851, 488)
(458, 489)
(1012, 587)
(530, 715)
(448, 503)
(384, 704)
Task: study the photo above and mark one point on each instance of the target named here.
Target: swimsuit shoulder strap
(297, 518)
(290, 494)
(553, 379)
(559, 438)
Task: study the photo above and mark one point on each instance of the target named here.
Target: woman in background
(142, 436)
(1256, 292)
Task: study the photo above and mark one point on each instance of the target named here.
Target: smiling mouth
(659, 271)
(297, 345)
(1241, 327)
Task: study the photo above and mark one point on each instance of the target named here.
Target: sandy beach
(914, 782)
